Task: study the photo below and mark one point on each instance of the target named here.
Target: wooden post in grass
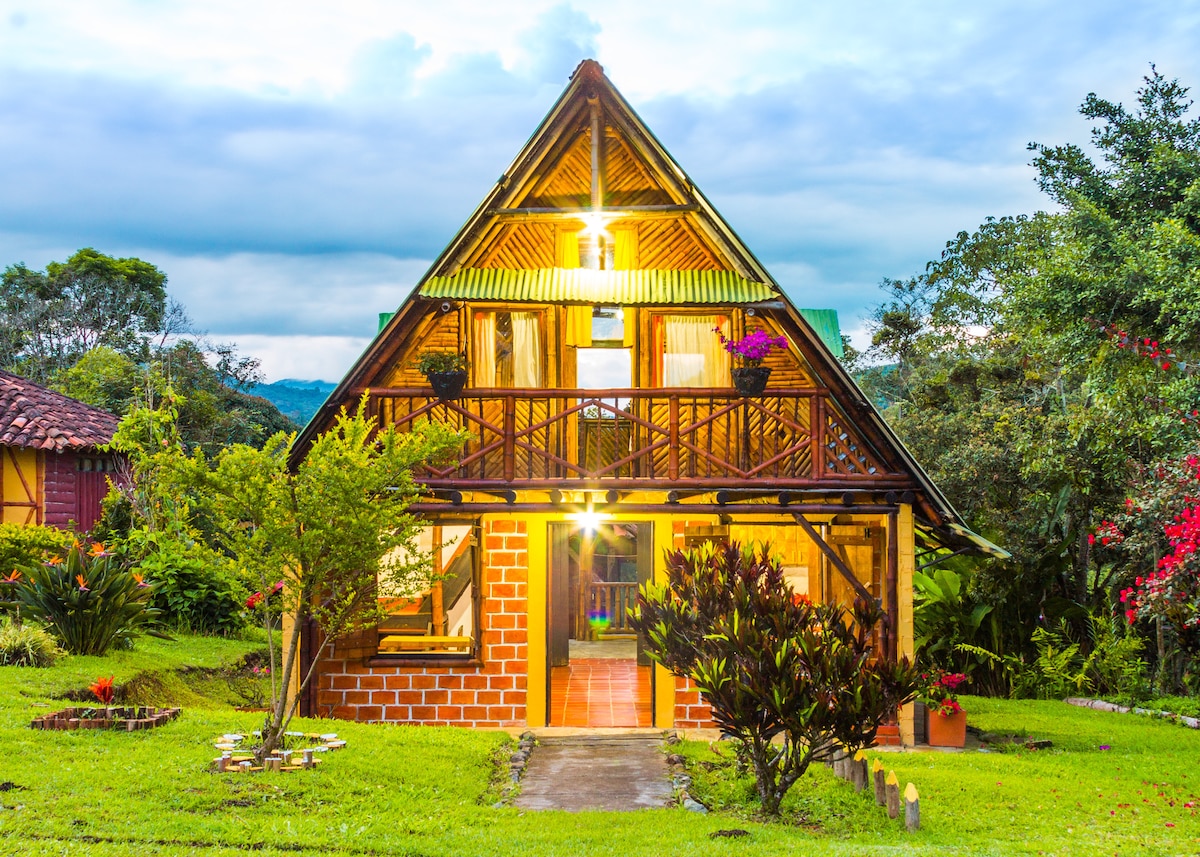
(858, 771)
(912, 808)
(892, 786)
(880, 786)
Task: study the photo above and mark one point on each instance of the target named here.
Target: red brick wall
(58, 487)
(491, 695)
(691, 711)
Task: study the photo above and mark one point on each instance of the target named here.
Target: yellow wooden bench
(423, 642)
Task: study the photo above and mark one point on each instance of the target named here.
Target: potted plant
(947, 721)
(446, 372)
(750, 378)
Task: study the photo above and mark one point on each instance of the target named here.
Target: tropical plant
(792, 681)
(26, 645)
(89, 599)
(429, 362)
(104, 691)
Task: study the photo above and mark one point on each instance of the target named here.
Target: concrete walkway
(609, 772)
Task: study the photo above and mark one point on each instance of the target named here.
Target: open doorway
(599, 673)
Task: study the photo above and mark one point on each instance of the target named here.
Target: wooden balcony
(640, 439)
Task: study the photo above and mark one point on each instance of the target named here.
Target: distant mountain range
(297, 400)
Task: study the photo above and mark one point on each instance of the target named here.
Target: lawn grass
(400, 790)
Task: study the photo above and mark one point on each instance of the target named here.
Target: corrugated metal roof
(585, 285)
(825, 323)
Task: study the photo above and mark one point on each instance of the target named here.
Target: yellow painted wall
(537, 687)
(13, 490)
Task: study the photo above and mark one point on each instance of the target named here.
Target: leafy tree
(326, 530)
(1027, 413)
(49, 319)
(794, 682)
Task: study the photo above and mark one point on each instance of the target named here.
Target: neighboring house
(585, 290)
(52, 470)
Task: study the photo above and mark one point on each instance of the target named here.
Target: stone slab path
(608, 772)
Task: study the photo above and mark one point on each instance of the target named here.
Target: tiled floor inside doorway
(600, 692)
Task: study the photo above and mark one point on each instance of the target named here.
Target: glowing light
(594, 223)
(590, 521)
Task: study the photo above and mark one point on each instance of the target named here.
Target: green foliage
(26, 645)
(1109, 666)
(441, 361)
(196, 589)
(48, 320)
(103, 377)
(21, 545)
(773, 666)
(329, 527)
(89, 599)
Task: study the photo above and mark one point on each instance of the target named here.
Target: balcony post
(510, 438)
(673, 443)
(817, 423)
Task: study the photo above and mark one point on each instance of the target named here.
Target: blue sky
(294, 166)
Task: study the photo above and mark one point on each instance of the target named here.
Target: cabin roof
(34, 417)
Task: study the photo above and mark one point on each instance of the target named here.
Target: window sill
(414, 659)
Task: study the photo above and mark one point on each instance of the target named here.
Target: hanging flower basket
(447, 385)
(751, 380)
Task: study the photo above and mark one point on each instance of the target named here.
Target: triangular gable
(552, 182)
(511, 250)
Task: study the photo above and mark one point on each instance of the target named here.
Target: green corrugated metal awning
(585, 285)
(825, 323)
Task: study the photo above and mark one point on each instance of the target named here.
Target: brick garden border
(121, 719)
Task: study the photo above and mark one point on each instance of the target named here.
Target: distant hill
(296, 399)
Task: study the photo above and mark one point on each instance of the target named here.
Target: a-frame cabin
(585, 290)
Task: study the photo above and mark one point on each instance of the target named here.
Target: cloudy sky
(294, 166)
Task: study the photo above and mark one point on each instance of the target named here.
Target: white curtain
(483, 360)
(527, 350)
(693, 356)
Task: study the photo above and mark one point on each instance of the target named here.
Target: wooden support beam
(833, 557)
(892, 584)
(609, 213)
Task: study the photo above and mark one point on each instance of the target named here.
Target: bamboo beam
(833, 557)
(892, 577)
(610, 213)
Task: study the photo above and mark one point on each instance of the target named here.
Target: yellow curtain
(483, 349)
(566, 248)
(579, 327)
(527, 349)
(630, 314)
(692, 353)
(626, 250)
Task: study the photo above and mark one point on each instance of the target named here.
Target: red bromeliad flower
(254, 600)
(102, 689)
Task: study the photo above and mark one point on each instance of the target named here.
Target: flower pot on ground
(946, 721)
(446, 372)
(947, 730)
(751, 380)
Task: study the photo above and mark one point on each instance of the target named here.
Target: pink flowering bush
(754, 347)
(1170, 589)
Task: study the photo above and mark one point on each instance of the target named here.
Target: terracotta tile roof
(34, 417)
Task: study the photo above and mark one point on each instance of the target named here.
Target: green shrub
(25, 645)
(89, 599)
(21, 547)
(1111, 666)
(195, 587)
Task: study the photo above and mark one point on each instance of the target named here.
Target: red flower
(79, 578)
(103, 690)
(254, 600)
